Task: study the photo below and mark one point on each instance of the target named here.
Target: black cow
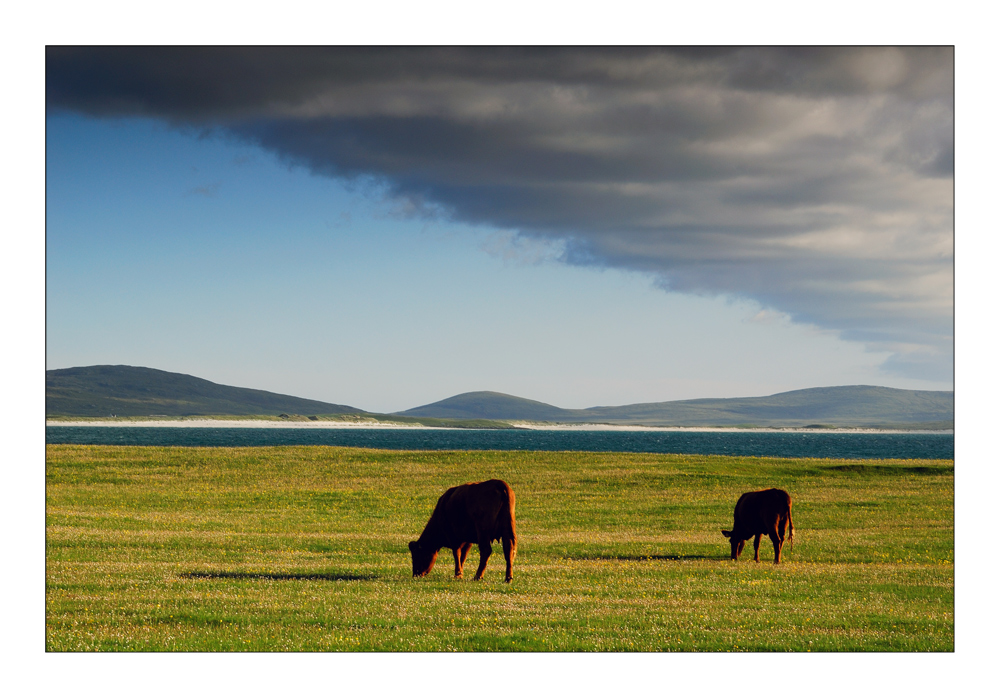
(757, 513)
(476, 512)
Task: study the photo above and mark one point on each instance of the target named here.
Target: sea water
(866, 445)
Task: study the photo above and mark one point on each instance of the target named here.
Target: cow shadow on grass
(283, 576)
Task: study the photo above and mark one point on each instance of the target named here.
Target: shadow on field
(646, 558)
(867, 469)
(281, 576)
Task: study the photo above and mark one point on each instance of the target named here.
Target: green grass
(304, 548)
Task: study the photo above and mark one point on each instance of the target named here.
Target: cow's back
(472, 512)
(756, 511)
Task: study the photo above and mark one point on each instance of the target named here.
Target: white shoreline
(534, 426)
(235, 424)
(763, 430)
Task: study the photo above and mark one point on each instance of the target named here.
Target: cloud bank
(816, 181)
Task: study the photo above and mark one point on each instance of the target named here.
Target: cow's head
(735, 544)
(423, 558)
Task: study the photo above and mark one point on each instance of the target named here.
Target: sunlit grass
(304, 548)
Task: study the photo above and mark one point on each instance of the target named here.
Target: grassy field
(304, 548)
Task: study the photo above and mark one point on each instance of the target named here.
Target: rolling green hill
(130, 391)
(842, 406)
(489, 405)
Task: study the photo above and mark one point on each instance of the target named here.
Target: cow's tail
(508, 519)
(791, 529)
(513, 523)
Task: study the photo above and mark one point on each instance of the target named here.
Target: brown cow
(757, 513)
(476, 512)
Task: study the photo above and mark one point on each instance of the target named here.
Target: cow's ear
(727, 534)
(413, 545)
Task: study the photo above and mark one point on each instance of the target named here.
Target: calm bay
(781, 444)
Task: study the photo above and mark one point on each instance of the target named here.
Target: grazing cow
(476, 512)
(757, 513)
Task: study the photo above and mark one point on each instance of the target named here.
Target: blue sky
(385, 230)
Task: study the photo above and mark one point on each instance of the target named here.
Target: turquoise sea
(739, 443)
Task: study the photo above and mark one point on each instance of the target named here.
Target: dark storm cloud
(817, 181)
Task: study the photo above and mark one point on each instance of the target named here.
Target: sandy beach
(767, 430)
(234, 424)
(270, 424)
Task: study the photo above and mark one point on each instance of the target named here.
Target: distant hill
(488, 405)
(842, 406)
(130, 391)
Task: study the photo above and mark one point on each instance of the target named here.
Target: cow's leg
(756, 548)
(776, 542)
(485, 550)
(509, 551)
(457, 552)
(461, 553)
